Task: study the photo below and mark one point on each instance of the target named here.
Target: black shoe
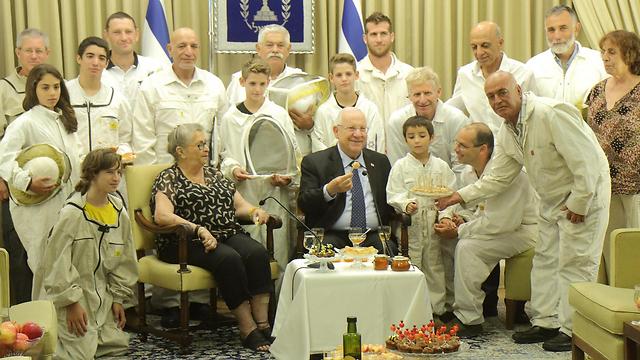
(465, 331)
(446, 317)
(534, 334)
(561, 342)
(199, 311)
(171, 318)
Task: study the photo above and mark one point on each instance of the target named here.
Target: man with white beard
(567, 70)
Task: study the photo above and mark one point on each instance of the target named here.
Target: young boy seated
(255, 80)
(431, 254)
(343, 75)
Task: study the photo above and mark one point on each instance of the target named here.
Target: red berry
(393, 327)
(401, 324)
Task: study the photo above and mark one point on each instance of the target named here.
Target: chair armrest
(625, 252)
(299, 237)
(274, 222)
(183, 231)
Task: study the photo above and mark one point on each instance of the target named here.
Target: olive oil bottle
(351, 341)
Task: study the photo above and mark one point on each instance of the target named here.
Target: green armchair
(601, 310)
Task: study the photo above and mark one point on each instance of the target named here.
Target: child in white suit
(239, 117)
(426, 249)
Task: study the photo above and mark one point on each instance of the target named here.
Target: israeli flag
(351, 30)
(155, 34)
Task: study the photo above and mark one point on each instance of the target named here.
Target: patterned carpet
(223, 343)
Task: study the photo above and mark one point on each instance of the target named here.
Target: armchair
(601, 310)
(181, 277)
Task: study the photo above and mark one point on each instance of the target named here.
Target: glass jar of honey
(400, 263)
(380, 262)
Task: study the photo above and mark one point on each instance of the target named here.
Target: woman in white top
(49, 119)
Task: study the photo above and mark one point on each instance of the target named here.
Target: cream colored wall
(428, 32)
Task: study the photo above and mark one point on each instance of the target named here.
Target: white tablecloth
(313, 307)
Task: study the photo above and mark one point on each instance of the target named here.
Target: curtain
(428, 32)
(599, 17)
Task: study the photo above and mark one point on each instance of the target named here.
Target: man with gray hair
(273, 46)
(486, 42)
(32, 49)
(345, 185)
(567, 70)
(423, 86)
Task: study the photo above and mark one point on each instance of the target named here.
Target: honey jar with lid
(380, 262)
(400, 263)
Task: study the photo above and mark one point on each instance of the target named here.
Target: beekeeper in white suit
(569, 171)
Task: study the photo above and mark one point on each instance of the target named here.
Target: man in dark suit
(345, 185)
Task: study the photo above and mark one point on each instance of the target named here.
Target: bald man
(568, 169)
(487, 45)
(177, 95)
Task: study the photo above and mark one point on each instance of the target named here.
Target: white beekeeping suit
(425, 247)
(104, 119)
(572, 84)
(233, 128)
(39, 125)
(503, 226)
(468, 93)
(164, 102)
(93, 264)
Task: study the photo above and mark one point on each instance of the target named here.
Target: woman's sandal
(255, 340)
(267, 334)
(265, 329)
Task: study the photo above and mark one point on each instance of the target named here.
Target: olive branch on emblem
(244, 12)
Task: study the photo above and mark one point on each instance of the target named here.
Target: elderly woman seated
(190, 192)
